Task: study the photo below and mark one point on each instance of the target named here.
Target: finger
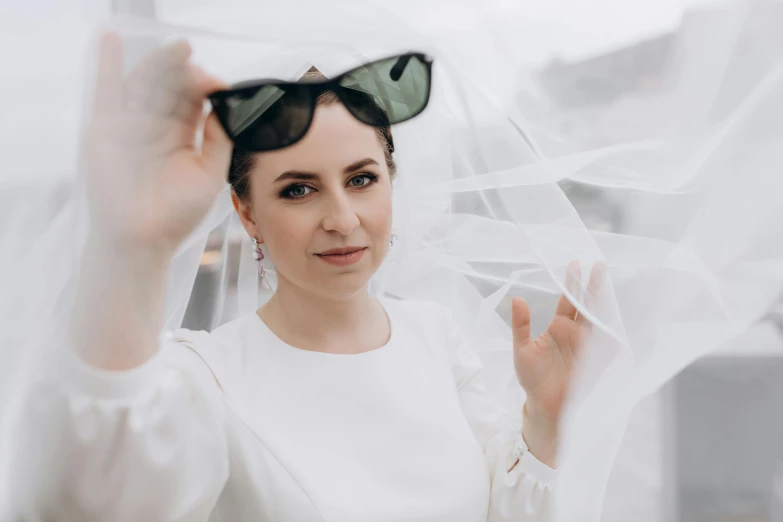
(189, 98)
(174, 84)
(594, 295)
(201, 84)
(162, 58)
(520, 321)
(158, 81)
(216, 148)
(108, 85)
(573, 286)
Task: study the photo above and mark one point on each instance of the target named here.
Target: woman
(327, 404)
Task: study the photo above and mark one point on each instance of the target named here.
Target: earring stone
(258, 255)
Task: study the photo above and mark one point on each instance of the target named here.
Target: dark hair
(242, 161)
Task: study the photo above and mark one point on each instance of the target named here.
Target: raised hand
(148, 181)
(149, 184)
(545, 365)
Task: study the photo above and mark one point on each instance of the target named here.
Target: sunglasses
(263, 115)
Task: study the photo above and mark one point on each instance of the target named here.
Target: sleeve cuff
(528, 464)
(76, 375)
(531, 466)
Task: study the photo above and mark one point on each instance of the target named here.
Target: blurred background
(708, 447)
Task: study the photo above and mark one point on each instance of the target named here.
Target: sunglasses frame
(315, 89)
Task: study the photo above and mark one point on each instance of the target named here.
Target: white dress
(237, 426)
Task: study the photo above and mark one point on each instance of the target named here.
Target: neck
(311, 321)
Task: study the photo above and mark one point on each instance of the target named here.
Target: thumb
(108, 85)
(520, 321)
(216, 148)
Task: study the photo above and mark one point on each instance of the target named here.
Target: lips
(340, 251)
(342, 257)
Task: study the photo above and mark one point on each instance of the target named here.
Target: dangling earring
(258, 255)
(392, 240)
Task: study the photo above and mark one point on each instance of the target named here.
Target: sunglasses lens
(274, 116)
(400, 86)
(267, 118)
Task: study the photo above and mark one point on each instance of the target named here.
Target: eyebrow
(358, 165)
(309, 176)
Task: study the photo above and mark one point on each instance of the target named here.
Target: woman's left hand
(544, 365)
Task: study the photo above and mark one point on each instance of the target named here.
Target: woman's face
(330, 190)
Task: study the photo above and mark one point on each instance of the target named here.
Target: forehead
(334, 140)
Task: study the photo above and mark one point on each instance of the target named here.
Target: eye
(363, 180)
(296, 191)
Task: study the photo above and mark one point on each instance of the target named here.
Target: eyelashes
(371, 178)
(300, 190)
(290, 191)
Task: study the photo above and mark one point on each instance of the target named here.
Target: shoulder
(226, 338)
(221, 350)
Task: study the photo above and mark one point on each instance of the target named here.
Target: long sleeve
(523, 493)
(144, 444)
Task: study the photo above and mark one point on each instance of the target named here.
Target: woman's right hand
(149, 183)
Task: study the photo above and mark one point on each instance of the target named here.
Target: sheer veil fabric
(665, 169)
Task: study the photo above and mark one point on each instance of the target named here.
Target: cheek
(379, 215)
(286, 231)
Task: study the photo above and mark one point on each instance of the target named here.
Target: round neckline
(314, 353)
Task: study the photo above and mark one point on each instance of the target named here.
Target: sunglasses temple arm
(396, 71)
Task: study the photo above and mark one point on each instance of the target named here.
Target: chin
(343, 285)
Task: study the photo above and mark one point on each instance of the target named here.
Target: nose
(340, 215)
